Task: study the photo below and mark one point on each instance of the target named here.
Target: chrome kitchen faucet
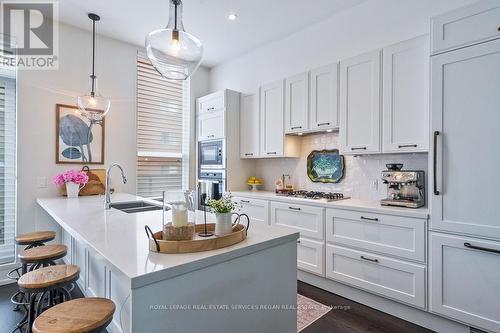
(107, 194)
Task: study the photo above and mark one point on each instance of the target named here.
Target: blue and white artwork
(79, 141)
(325, 166)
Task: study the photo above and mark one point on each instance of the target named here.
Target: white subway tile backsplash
(359, 172)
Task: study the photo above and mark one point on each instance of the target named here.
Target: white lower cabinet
(397, 236)
(79, 258)
(96, 274)
(118, 290)
(308, 220)
(257, 210)
(392, 278)
(310, 256)
(465, 280)
(67, 240)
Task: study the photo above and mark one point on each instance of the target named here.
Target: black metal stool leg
(31, 312)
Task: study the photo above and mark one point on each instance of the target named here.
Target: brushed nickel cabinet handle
(245, 201)
(369, 218)
(358, 148)
(248, 154)
(369, 259)
(407, 146)
(294, 208)
(271, 153)
(434, 163)
(324, 124)
(296, 127)
(480, 248)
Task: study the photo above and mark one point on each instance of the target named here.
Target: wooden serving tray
(197, 244)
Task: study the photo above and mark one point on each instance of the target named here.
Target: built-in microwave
(211, 154)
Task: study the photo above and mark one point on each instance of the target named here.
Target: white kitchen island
(247, 287)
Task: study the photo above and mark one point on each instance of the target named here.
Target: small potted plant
(73, 180)
(223, 210)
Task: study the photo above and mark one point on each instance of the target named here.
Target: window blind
(162, 131)
(7, 156)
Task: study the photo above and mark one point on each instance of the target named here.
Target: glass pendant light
(92, 105)
(174, 53)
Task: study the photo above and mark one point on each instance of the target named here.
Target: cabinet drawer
(464, 281)
(465, 26)
(392, 235)
(305, 219)
(211, 103)
(310, 256)
(391, 278)
(257, 210)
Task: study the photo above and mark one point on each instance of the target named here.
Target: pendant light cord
(92, 93)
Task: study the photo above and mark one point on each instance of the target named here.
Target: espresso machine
(405, 188)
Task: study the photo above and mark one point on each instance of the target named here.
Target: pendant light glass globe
(92, 105)
(174, 53)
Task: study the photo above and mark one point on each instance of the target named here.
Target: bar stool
(34, 258)
(80, 315)
(32, 239)
(46, 287)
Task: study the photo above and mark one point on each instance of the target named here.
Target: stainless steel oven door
(211, 185)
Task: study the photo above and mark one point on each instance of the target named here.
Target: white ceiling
(259, 21)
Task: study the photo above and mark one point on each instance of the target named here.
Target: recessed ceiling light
(232, 17)
(300, 133)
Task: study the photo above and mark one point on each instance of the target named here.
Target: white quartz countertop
(120, 238)
(348, 204)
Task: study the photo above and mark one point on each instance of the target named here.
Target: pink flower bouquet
(71, 176)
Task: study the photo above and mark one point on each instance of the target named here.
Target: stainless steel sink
(135, 206)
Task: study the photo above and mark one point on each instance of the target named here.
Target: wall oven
(211, 154)
(211, 185)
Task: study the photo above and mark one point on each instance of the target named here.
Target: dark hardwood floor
(352, 317)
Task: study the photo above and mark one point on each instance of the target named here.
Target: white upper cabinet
(406, 97)
(465, 117)
(211, 125)
(360, 104)
(323, 98)
(476, 23)
(249, 126)
(272, 119)
(212, 102)
(297, 103)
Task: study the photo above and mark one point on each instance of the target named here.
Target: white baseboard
(408, 313)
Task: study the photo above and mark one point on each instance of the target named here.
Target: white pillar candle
(179, 216)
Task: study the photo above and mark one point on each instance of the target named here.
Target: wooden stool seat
(76, 316)
(49, 276)
(35, 237)
(43, 253)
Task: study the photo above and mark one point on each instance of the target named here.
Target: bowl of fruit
(254, 182)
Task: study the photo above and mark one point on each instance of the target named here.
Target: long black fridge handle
(434, 163)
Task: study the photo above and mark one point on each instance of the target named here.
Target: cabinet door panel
(257, 210)
(96, 274)
(391, 278)
(211, 125)
(272, 119)
(80, 259)
(324, 108)
(249, 126)
(465, 281)
(406, 96)
(465, 110)
(308, 220)
(310, 256)
(297, 103)
(467, 25)
(360, 104)
(118, 290)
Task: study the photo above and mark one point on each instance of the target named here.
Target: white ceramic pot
(223, 224)
(72, 190)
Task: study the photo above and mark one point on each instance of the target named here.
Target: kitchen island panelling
(112, 250)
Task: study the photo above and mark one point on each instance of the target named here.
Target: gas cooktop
(315, 195)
